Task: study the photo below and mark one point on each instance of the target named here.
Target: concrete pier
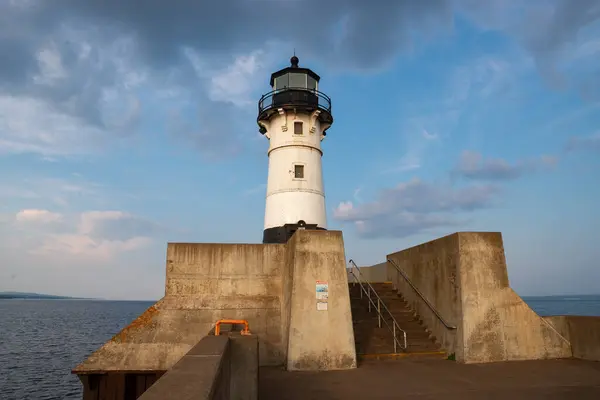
(454, 295)
(438, 379)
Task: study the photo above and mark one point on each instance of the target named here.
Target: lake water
(42, 340)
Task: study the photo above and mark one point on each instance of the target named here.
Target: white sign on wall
(322, 289)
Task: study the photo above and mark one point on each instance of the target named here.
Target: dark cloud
(371, 32)
(414, 207)
(560, 27)
(472, 165)
(95, 47)
(361, 34)
(71, 54)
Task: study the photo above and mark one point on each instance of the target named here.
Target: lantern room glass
(295, 80)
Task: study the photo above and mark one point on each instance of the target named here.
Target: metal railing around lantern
(294, 97)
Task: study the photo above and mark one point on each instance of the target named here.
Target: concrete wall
(319, 340)
(234, 281)
(268, 285)
(217, 368)
(583, 333)
(464, 276)
(203, 373)
(433, 269)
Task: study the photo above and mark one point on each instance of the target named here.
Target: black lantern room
(295, 88)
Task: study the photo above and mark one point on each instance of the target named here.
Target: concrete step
(422, 355)
(371, 339)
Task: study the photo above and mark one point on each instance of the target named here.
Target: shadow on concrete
(438, 379)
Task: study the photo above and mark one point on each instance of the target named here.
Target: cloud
(472, 165)
(590, 142)
(92, 235)
(356, 195)
(40, 191)
(79, 76)
(481, 79)
(37, 216)
(413, 207)
(416, 140)
(550, 31)
(236, 82)
(85, 247)
(429, 136)
(116, 225)
(408, 162)
(31, 125)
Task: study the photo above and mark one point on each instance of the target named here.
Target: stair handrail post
(378, 312)
(395, 338)
(412, 285)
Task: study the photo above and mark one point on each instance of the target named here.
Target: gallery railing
(294, 97)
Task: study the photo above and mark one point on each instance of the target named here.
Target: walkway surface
(438, 379)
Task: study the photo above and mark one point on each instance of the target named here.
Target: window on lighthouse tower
(297, 127)
(299, 171)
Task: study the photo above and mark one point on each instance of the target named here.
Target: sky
(126, 126)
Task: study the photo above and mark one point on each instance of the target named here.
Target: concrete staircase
(374, 342)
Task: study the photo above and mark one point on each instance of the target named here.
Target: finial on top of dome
(294, 60)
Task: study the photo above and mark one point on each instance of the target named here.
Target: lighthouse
(294, 116)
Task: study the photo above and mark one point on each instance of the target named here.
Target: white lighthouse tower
(294, 117)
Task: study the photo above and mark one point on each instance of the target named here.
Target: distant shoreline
(11, 296)
(40, 296)
(37, 296)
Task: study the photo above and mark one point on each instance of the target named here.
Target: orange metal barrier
(245, 331)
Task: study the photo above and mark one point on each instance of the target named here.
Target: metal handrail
(431, 306)
(324, 105)
(378, 306)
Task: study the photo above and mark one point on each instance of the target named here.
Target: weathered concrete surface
(204, 283)
(433, 268)
(319, 340)
(582, 331)
(265, 284)
(439, 379)
(203, 374)
(464, 276)
(374, 274)
(238, 281)
(243, 367)
(221, 367)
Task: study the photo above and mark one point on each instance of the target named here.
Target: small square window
(298, 128)
(299, 171)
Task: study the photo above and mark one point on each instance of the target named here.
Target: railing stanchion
(378, 312)
(395, 350)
